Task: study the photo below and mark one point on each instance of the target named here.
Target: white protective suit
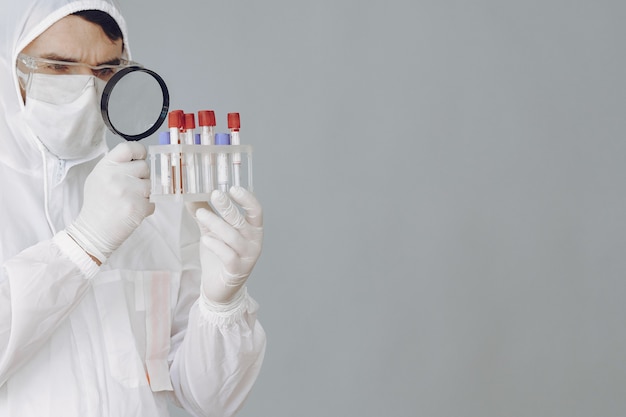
(119, 340)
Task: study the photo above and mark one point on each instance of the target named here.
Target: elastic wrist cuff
(79, 237)
(76, 254)
(225, 309)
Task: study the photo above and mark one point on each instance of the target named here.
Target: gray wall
(444, 193)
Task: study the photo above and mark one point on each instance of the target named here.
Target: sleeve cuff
(225, 314)
(76, 254)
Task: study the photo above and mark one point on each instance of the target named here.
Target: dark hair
(104, 20)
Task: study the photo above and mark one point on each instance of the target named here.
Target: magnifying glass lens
(135, 103)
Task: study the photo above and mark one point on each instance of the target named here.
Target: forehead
(75, 39)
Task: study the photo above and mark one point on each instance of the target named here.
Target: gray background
(443, 184)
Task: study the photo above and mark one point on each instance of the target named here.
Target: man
(108, 305)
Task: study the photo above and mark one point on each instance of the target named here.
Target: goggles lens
(28, 65)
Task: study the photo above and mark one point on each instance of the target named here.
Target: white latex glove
(116, 201)
(231, 244)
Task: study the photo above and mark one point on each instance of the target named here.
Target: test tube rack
(186, 173)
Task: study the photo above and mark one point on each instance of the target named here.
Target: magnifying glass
(134, 103)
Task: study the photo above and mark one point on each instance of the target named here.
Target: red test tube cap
(190, 121)
(175, 119)
(233, 121)
(206, 118)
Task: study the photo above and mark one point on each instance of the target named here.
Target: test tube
(206, 120)
(166, 165)
(233, 126)
(223, 167)
(175, 123)
(190, 157)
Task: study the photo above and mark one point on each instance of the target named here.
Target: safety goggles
(28, 65)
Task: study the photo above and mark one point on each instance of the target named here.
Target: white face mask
(64, 112)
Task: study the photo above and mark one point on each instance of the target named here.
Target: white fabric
(82, 341)
(71, 127)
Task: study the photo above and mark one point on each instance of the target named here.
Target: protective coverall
(116, 340)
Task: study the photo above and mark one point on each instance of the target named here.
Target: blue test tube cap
(164, 138)
(222, 138)
(197, 138)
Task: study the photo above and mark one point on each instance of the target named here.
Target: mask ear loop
(23, 78)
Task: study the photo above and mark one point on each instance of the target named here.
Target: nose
(83, 70)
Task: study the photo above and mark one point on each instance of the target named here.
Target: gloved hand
(116, 200)
(231, 244)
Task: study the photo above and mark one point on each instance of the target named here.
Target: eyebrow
(55, 57)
